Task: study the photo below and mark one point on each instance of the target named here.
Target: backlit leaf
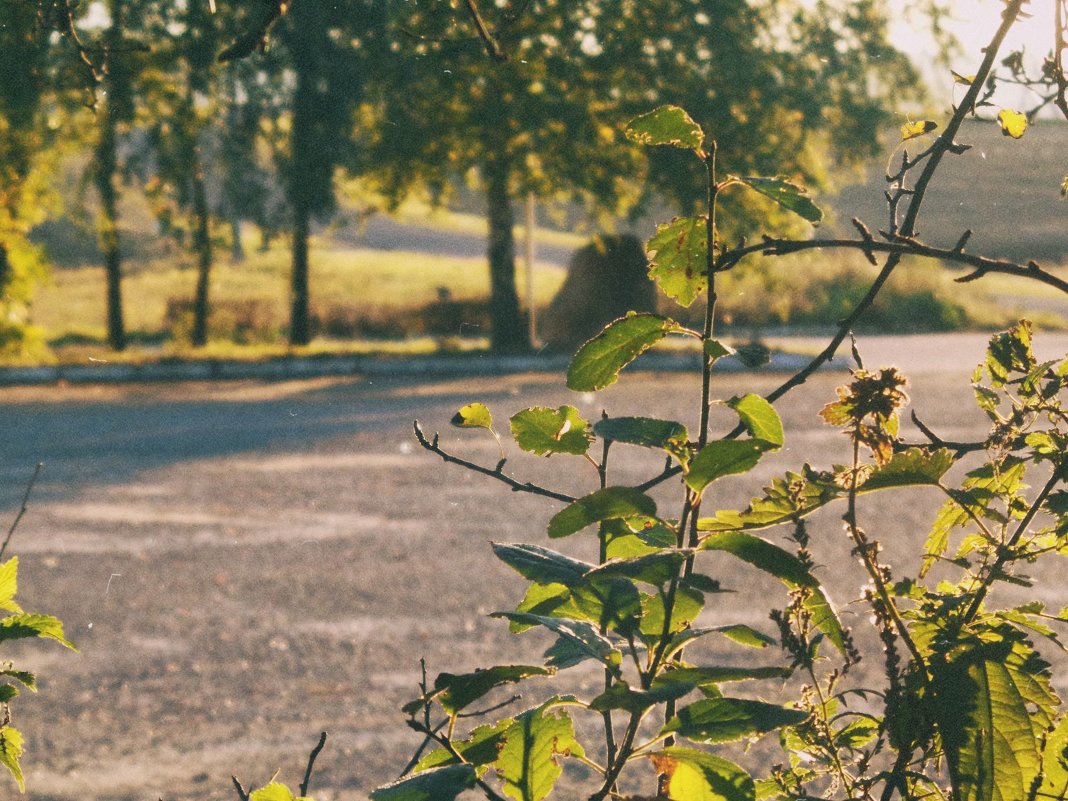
(528, 760)
(545, 566)
(646, 432)
(9, 585)
(598, 362)
(667, 125)
(1013, 123)
(911, 130)
(724, 457)
(688, 605)
(788, 195)
(913, 467)
(700, 676)
(678, 254)
(456, 692)
(580, 635)
(544, 431)
(759, 418)
(606, 504)
(10, 752)
(692, 775)
(966, 80)
(481, 748)
(436, 784)
(274, 791)
(473, 415)
(721, 720)
(19, 627)
(621, 696)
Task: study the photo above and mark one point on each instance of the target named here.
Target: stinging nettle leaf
(606, 504)
(473, 415)
(544, 431)
(667, 125)
(598, 362)
(787, 194)
(678, 258)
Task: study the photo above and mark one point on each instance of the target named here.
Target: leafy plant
(967, 708)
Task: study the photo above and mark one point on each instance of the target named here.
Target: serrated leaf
(1010, 352)
(544, 431)
(436, 784)
(23, 677)
(527, 763)
(542, 565)
(912, 467)
(788, 498)
(605, 504)
(911, 130)
(790, 570)
(621, 696)
(1055, 762)
(1012, 123)
(992, 702)
(724, 457)
(473, 415)
(692, 775)
(598, 362)
(721, 720)
(646, 432)
(667, 125)
(678, 258)
(11, 752)
(788, 195)
(9, 585)
(580, 634)
(456, 692)
(19, 627)
(480, 748)
(759, 418)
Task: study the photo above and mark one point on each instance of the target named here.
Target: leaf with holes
(692, 775)
(544, 431)
(787, 194)
(667, 125)
(678, 258)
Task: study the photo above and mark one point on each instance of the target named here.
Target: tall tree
(770, 80)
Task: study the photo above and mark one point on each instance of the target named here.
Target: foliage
(967, 709)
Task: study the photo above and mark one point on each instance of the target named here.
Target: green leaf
(598, 362)
(10, 752)
(911, 130)
(545, 566)
(1055, 762)
(688, 605)
(913, 467)
(646, 432)
(721, 720)
(724, 457)
(606, 504)
(274, 792)
(788, 498)
(581, 636)
(753, 354)
(746, 635)
(701, 676)
(656, 568)
(678, 258)
(473, 415)
(1009, 352)
(788, 195)
(716, 350)
(437, 784)
(543, 431)
(759, 418)
(9, 585)
(667, 125)
(527, 763)
(692, 775)
(481, 748)
(790, 570)
(621, 696)
(456, 692)
(24, 677)
(992, 703)
(19, 627)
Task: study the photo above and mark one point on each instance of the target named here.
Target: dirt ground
(245, 565)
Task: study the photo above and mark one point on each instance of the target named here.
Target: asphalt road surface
(243, 565)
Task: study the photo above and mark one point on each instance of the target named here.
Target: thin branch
(311, 763)
(22, 510)
(240, 790)
(492, 47)
(495, 472)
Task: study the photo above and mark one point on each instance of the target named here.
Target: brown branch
(495, 472)
(242, 794)
(492, 47)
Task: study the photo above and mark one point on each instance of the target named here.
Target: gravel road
(243, 564)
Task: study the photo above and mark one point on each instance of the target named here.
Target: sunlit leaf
(724, 457)
(274, 791)
(911, 130)
(621, 696)
(580, 634)
(678, 258)
(688, 605)
(436, 784)
(528, 760)
(481, 748)
(759, 418)
(19, 627)
(598, 362)
(667, 125)
(9, 585)
(606, 504)
(1013, 123)
(473, 415)
(544, 431)
(542, 565)
(966, 80)
(700, 676)
(720, 720)
(691, 775)
(787, 194)
(456, 692)
(646, 432)
(11, 752)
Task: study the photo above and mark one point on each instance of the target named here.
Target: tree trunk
(299, 329)
(202, 245)
(105, 169)
(508, 333)
(237, 246)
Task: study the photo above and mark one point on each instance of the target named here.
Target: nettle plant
(966, 709)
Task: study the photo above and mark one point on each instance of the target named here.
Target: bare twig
(311, 763)
(241, 793)
(22, 510)
(492, 47)
(496, 472)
